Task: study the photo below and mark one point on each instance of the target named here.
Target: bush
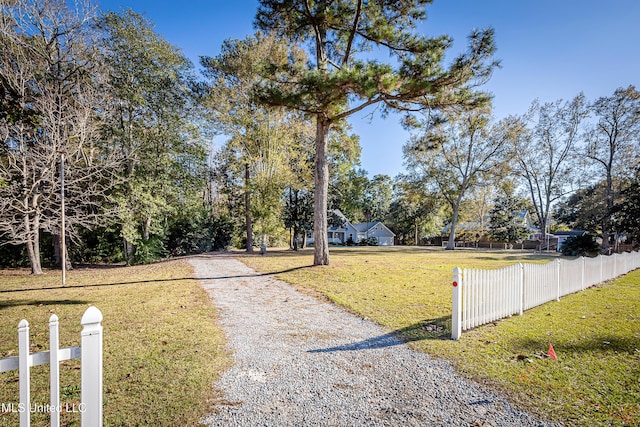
(148, 251)
(101, 245)
(199, 233)
(221, 232)
(13, 256)
(584, 245)
(369, 241)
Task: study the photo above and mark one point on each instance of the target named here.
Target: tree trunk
(416, 236)
(263, 245)
(145, 229)
(294, 241)
(128, 250)
(32, 234)
(321, 242)
(247, 208)
(34, 257)
(304, 239)
(451, 244)
(57, 253)
(606, 224)
(34, 253)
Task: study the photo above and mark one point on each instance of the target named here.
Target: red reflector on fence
(455, 284)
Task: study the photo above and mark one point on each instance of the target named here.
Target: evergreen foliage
(584, 245)
(505, 218)
(339, 80)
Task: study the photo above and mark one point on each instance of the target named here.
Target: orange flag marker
(552, 353)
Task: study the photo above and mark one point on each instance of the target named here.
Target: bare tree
(544, 152)
(459, 153)
(47, 72)
(612, 143)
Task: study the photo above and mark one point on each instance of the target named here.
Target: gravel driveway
(300, 361)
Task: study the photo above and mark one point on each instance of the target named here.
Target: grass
(163, 350)
(595, 333)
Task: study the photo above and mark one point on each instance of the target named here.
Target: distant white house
(339, 235)
(562, 236)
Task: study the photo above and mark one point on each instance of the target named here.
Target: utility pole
(63, 243)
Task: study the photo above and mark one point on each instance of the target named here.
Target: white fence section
(484, 296)
(90, 354)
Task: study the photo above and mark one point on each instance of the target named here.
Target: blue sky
(549, 50)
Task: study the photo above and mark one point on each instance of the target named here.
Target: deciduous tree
(153, 125)
(457, 152)
(613, 144)
(52, 104)
(544, 153)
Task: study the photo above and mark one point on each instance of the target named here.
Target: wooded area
(134, 122)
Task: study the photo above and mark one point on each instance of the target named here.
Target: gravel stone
(300, 361)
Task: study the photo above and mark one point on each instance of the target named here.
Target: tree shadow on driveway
(430, 329)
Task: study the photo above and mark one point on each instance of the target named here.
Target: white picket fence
(484, 296)
(90, 354)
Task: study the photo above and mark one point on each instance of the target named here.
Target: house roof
(362, 227)
(570, 233)
(365, 227)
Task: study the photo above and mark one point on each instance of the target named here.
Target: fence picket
(54, 370)
(24, 380)
(90, 354)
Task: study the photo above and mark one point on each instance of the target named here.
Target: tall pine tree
(341, 80)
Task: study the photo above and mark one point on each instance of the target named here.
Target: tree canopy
(340, 79)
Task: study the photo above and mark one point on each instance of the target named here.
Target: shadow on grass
(136, 282)
(592, 344)
(21, 302)
(431, 329)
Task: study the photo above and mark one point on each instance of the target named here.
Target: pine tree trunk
(321, 242)
(247, 208)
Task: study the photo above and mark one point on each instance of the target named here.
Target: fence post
(54, 370)
(23, 367)
(583, 268)
(558, 280)
(456, 316)
(91, 368)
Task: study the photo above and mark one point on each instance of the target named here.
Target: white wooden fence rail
(90, 354)
(484, 296)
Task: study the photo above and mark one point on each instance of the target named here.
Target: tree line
(134, 120)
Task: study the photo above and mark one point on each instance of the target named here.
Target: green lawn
(595, 333)
(163, 350)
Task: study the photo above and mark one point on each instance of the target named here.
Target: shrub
(369, 241)
(584, 245)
